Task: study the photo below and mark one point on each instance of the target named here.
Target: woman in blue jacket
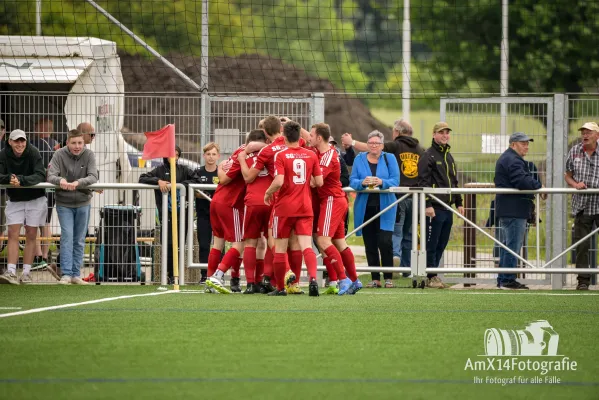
(376, 169)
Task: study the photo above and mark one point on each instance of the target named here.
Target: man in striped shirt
(582, 172)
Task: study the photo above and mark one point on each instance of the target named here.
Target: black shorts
(51, 203)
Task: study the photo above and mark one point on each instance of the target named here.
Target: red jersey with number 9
(298, 166)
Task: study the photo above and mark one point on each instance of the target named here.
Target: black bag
(116, 253)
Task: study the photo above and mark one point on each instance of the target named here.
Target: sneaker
(92, 278)
(355, 287)
(513, 285)
(344, 286)
(39, 263)
(313, 288)
(235, 286)
(278, 293)
(25, 279)
(374, 284)
(76, 280)
(289, 279)
(8, 277)
(217, 284)
(582, 286)
(249, 289)
(435, 283)
(332, 289)
(65, 280)
(54, 271)
(294, 288)
(396, 261)
(266, 285)
(389, 284)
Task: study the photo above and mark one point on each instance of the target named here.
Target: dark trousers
(181, 240)
(204, 239)
(583, 225)
(375, 241)
(438, 232)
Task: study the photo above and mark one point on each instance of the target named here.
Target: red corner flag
(160, 143)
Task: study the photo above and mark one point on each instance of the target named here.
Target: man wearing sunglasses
(88, 132)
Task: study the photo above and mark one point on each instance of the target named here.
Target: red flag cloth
(160, 143)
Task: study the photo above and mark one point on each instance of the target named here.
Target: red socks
(310, 259)
(230, 260)
(330, 269)
(279, 269)
(349, 263)
(259, 271)
(249, 262)
(213, 260)
(335, 259)
(295, 262)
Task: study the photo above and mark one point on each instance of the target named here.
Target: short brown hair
(256, 135)
(210, 146)
(73, 133)
(272, 125)
(323, 130)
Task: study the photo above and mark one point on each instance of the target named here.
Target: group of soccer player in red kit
(277, 193)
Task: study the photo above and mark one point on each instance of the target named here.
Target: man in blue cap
(512, 210)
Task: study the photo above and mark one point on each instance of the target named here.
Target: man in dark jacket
(161, 176)
(513, 210)
(21, 165)
(437, 169)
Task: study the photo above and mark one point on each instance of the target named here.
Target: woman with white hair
(376, 169)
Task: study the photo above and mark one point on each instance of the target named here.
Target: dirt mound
(250, 74)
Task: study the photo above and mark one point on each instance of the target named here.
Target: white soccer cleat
(216, 284)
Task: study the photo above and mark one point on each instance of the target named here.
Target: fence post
(182, 238)
(164, 240)
(557, 158)
(317, 111)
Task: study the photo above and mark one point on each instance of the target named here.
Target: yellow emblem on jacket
(409, 164)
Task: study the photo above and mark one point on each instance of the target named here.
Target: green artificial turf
(394, 343)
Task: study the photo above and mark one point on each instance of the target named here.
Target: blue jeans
(73, 227)
(512, 236)
(439, 230)
(402, 233)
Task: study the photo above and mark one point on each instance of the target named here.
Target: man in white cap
(582, 172)
(21, 165)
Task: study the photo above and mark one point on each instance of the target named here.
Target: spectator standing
(73, 168)
(88, 132)
(437, 169)
(161, 176)
(582, 172)
(21, 165)
(207, 175)
(46, 145)
(376, 169)
(513, 211)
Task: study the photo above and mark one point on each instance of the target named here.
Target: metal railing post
(421, 271)
(164, 239)
(414, 254)
(190, 212)
(182, 237)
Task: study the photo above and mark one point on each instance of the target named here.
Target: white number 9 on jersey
(299, 169)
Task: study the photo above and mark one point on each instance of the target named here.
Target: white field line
(11, 308)
(83, 303)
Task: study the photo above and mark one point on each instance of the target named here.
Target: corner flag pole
(174, 210)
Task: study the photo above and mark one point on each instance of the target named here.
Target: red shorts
(227, 222)
(331, 217)
(282, 226)
(255, 221)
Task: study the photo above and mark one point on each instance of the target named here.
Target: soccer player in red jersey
(296, 169)
(255, 223)
(226, 218)
(330, 231)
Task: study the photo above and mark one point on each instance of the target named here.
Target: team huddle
(276, 193)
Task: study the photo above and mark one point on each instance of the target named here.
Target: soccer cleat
(8, 277)
(39, 263)
(266, 285)
(332, 289)
(25, 279)
(249, 289)
(374, 284)
(210, 290)
(216, 284)
(355, 287)
(235, 286)
(65, 280)
(289, 279)
(389, 284)
(294, 289)
(344, 286)
(313, 288)
(278, 293)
